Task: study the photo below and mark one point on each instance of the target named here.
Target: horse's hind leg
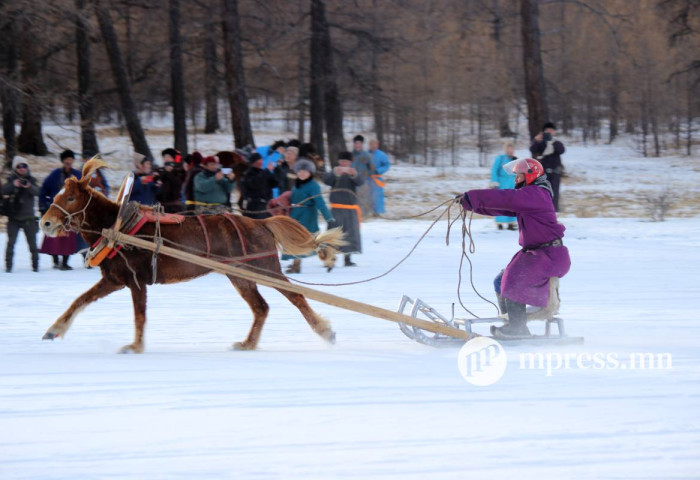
(319, 324)
(138, 297)
(100, 290)
(249, 291)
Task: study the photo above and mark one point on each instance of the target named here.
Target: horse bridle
(68, 222)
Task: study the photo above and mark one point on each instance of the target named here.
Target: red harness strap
(238, 231)
(206, 234)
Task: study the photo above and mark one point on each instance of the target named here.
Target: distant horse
(235, 161)
(78, 207)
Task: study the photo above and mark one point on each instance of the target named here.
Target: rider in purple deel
(525, 280)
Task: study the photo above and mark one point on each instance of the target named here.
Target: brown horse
(79, 207)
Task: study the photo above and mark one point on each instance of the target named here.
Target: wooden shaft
(268, 281)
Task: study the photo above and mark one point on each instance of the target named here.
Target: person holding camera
(212, 187)
(19, 193)
(146, 184)
(548, 150)
(65, 245)
(171, 177)
(256, 188)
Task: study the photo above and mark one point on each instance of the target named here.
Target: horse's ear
(91, 166)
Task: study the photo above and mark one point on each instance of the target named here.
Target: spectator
(256, 188)
(502, 179)
(344, 181)
(146, 185)
(548, 150)
(379, 165)
(171, 178)
(65, 245)
(308, 151)
(212, 188)
(193, 165)
(20, 191)
(284, 171)
(170, 155)
(361, 163)
(307, 202)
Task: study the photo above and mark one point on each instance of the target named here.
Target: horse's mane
(90, 167)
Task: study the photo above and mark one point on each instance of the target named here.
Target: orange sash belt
(349, 207)
(378, 181)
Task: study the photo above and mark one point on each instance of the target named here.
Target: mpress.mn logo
(482, 361)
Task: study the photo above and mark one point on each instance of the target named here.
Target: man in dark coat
(548, 150)
(525, 280)
(20, 191)
(256, 188)
(171, 177)
(193, 165)
(344, 181)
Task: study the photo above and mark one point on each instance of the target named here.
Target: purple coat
(526, 278)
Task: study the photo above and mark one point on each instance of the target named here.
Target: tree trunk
(690, 95)
(235, 75)
(211, 80)
(614, 105)
(177, 78)
(86, 103)
(538, 112)
(10, 89)
(377, 104)
(333, 107)
(301, 110)
(316, 106)
(128, 110)
(30, 139)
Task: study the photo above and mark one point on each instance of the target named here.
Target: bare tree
(535, 94)
(177, 77)
(235, 76)
(128, 108)
(9, 89)
(30, 139)
(86, 103)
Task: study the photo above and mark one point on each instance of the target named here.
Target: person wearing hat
(66, 245)
(212, 188)
(256, 188)
(146, 185)
(361, 161)
(344, 181)
(19, 193)
(307, 202)
(193, 165)
(171, 177)
(548, 150)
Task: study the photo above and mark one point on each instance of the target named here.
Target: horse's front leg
(99, 290)
(138, 296)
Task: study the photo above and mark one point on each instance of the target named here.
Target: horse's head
(67, 212)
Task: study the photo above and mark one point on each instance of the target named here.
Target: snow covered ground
(376, 405)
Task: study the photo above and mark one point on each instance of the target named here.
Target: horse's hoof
(329, 336)
(49, 336)
(243, 346)
(131, 349)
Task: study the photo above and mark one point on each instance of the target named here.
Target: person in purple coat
(525, 281)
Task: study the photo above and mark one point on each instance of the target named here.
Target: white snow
(375, 405)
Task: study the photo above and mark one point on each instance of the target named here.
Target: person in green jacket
(212, 187)
(307, 202)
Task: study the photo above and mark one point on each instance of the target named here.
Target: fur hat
(194, 158)
(359, 138)
(276, 145)
(210, 159)
(254, 157)
(18, 161)
(304, 164)
(170, 151)
(345, 156)
(294, 143)
(549, 125)
(67, 154)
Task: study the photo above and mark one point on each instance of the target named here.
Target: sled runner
(419, 309)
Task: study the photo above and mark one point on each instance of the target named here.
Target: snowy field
(375, 405)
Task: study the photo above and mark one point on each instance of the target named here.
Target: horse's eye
(70, 199)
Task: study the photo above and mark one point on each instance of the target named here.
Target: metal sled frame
(419, 307)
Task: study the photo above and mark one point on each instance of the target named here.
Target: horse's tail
(294, 239)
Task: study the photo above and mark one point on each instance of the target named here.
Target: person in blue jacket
(502, 179)
(146, 186)
(271, 154)
(379, 166)
(66, 245)
(307, 202)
